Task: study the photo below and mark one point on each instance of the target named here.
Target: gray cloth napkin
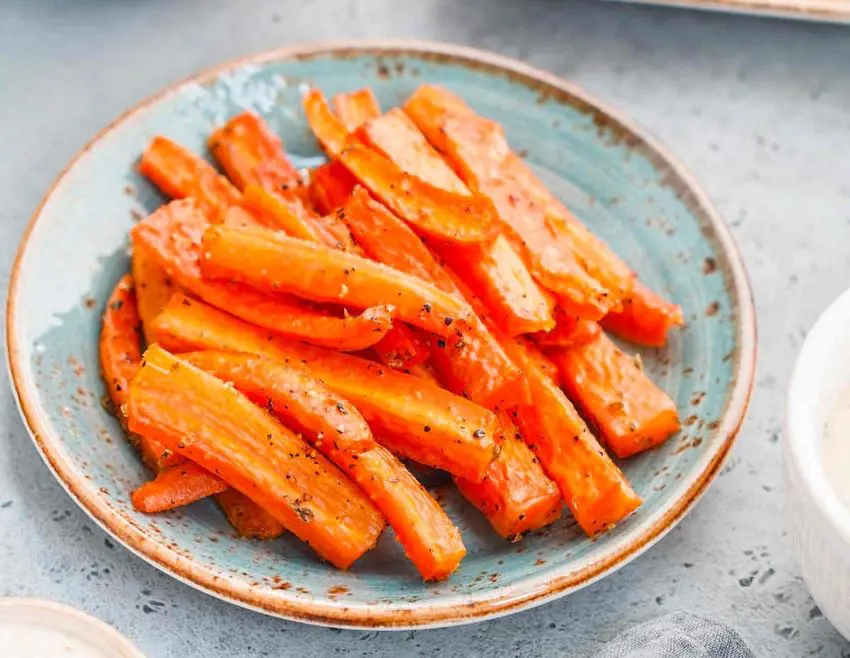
(677, 635)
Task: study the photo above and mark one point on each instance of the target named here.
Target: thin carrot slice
(330, 186)
(153, 288)
(356, 107)
(569, 331)
(629, 411)
(250, 153)
(175, 487)
(274, 212)
(456, 218)
(645, 317)
(556, 251)
(402, 347)
(220, 429)
(593, 487)
(493, 270)
(515, 496)
(179, 173)
(172, 236)
(291, 394)
(247, 518)
(444, 430)
(273, 263)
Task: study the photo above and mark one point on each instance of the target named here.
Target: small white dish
(820, 521)
(34, 628)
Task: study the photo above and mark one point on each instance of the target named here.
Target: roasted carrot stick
(402, 347)
(247, 518)
(595, 490)
(250, 153)
(153, 288)
(515, 495)
(569, 331)
(440, 429)
(293, 395)
(544, 363)
(356, 107)
(330, 186)
(274, 263)
(176, 486)
(456, 218)
(628, 410)
(561, 254)
(429, 537)
(274, 212)
(172, 236)
(179, 173)
(493, 270)
(218, 428)
(645, 317)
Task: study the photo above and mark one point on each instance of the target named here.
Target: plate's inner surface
(79, 249)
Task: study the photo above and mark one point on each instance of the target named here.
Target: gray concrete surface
(759, 110)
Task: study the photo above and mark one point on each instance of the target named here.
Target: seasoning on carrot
(176, 486)
(210, 423)
(274, 263)
(153, 288)
(247, 518)
(179, 174)
(630, 413)
(172, 236)
(330, 186)
(645, 318)
(438, 428)
(403, 347)
(356, 107)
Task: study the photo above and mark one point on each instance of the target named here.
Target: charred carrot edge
(593, 487)
(291, 394)
(493, 270)
(456, 218)
(172, 236)
(569, 331)
(275, 263)
(429, 537)
(250, 153)
(179, 173)
(445, 430)
(629, 411)
(247, 518)
(476, 148)
(645, 318)
(221, 430)
(176, 486)
(153, 288)
(330, 186)
(356, 107)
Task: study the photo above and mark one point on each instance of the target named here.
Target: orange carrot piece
(219, 429)
(293, 395)
(593, 487)
(273, 263)
(153, 288)
(172, 236)
(247, 518)
(442, 429)
(543, 362)
(250, 153)
(569, 331)
(176, 486)
(274, 212)
(242, 217)
(629, 411)
(556, 251)
(493, 270)
(356, 107)
(179, 173)
(330, 186)
(330, 132)
(515, 495)
(645, 317)
(402, 347)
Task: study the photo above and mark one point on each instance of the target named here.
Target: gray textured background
(758, 109)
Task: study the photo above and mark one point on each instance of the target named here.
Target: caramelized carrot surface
(172, 236)
(356, 107)
(628, 410)
(645, 318)
(403, 347)
(179, 174)
(275, 263)
(153, 288)
(247, 518)
(215, 426)
(569, 331)
(438, 428)
(330, 186)
(176, 486)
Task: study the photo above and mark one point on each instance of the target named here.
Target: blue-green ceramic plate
(621, 183)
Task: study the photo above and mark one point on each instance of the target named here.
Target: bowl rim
(802, 443)
(499, 602)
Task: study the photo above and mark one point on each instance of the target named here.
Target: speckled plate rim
(534, 590)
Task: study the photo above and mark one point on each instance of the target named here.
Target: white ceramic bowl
(820, 522)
